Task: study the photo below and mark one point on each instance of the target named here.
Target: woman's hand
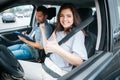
(49, 46)
(52, 45)
(42, 28)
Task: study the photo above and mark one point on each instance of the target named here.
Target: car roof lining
(81, 3)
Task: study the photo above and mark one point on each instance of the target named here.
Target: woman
(65, 56)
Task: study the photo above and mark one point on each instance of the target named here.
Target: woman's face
(66, 18)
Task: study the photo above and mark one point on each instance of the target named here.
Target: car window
(118, 6)
(16, 17)
(116, 28)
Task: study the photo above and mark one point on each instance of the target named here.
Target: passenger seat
(90, 38)
(51, 14)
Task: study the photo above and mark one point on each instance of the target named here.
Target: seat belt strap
(78, 28)
(82, 25)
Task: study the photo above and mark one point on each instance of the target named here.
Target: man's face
(40, 17)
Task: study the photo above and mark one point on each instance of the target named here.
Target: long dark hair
(76, 17)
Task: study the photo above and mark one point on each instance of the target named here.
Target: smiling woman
(64, 56)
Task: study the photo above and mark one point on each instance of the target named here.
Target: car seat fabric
(93, 26)
(90, 43)
(85, 13)
(51, 12)
(90, 37)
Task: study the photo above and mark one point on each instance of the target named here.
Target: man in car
(29, 49)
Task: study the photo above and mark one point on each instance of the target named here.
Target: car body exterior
(8, 17)
(104, 64)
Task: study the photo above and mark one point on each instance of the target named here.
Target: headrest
(85, 13)
(51, 12)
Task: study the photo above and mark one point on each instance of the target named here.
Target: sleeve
(38, 36)
(78, 45)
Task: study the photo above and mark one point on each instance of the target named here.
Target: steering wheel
(8, 40)
(9, 64)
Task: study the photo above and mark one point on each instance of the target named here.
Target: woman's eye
(61, 15)
(69, 16)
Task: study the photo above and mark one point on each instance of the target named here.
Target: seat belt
(78, 28)
(82, 25)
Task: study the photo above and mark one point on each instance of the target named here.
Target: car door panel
(96, 68)
(21, 24)
(112, 70)
(8, 38)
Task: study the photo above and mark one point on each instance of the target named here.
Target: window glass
(16, 17)
(116, 28)
(118, 6)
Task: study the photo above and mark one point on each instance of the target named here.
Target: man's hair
(43, 9)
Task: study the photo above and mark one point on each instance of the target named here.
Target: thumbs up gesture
(49, 45)
(52, 45)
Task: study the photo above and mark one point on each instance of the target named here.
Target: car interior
(86, 9)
